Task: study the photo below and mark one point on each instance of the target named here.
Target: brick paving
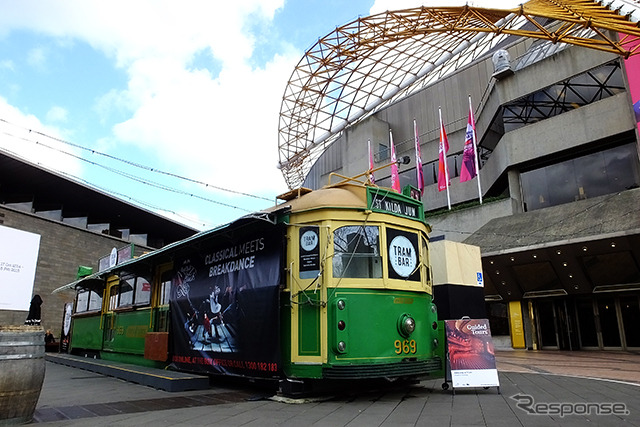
(536, 389)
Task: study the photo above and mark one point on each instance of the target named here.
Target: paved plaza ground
(537, 388)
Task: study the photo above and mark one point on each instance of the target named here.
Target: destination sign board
(393, 203)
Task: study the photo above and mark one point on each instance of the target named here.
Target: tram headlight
(342, 346)
(406, 325)
(341, 304)
(341, 325)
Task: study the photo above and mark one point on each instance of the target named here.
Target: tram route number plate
(405, 347)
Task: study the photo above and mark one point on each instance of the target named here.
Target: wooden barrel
(22, 368)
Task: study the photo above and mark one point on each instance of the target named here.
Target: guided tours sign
(471, 353)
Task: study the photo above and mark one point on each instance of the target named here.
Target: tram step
(157, 378)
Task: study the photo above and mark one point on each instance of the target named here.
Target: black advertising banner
(65, 332)
(404, 255)
(309, 252)
(225, 303)
(471, 354)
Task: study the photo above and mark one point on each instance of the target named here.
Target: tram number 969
(405, 347)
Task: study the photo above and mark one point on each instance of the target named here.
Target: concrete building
(559, 225)
(78, 226)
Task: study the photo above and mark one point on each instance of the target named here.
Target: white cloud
(7, 64)
(57, 114)
(24, 135)
(220, 129)
(36, 57)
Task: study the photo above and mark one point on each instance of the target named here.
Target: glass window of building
(582, 89)
(592, 175)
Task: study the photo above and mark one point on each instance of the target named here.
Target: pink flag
(468, 169)
(419, 174)
(371, 177)
(443, 175)
(395, 178)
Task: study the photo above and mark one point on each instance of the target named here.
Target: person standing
(33, 318)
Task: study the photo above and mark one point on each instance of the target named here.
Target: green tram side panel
(128, 332)
(309, 324)
(161, 319)
(372, 334)
(86, 332)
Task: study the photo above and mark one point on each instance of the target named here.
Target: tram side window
(126, 292)
(95, 301)
(165, 287)
(134, 290)
(113, 297)
(357, 252)
(143, 291)
(88, 300)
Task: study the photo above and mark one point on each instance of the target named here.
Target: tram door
(556, 324)
(108, 317)
(162, 290)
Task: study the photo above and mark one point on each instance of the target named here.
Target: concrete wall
(63, 248)
(459, 225)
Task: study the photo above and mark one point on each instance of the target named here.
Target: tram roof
(343, 195)
(340, 195)
(173, 247)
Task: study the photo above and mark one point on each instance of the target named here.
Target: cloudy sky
(111, 92)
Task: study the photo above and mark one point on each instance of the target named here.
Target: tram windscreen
(356, 250)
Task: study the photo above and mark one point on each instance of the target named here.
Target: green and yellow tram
(332, 284)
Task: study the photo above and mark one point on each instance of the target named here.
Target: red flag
(468, 169)
(371, 177)
(443, 174)
(419, 174)
(395, 178)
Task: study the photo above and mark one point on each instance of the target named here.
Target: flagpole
(475, 150)
(419, 173)
(444, 157)
(371, 178)
(395, 178)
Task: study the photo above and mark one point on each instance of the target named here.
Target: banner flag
(468, 169)
(419, 173)
(371, 177)
(395, 178)
(443, 174)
